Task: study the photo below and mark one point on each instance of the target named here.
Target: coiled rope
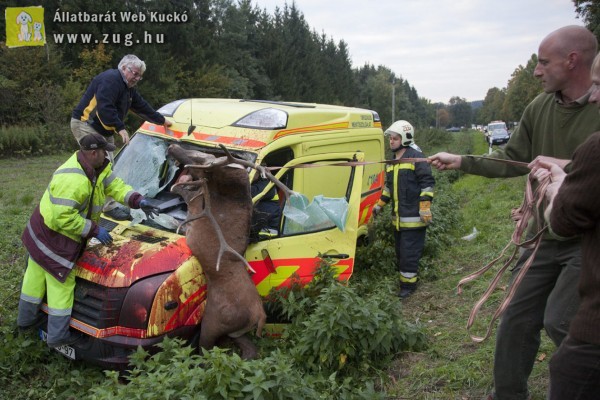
(530, 207)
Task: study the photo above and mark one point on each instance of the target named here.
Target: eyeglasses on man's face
(136, 75)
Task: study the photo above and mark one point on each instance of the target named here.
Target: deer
(217, 193)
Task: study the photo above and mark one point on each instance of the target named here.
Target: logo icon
(25, 26)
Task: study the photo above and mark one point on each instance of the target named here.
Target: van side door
(298, 250)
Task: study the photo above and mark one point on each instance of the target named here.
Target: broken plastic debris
(472, 235)
(161, 219)
(321, 213)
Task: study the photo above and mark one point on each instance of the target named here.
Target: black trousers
(409, 249)
(575, 371)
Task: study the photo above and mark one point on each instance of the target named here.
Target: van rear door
(299, 250)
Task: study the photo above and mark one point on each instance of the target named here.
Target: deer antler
(190, 183)
(230, 159)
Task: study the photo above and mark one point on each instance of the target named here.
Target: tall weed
(35, 140)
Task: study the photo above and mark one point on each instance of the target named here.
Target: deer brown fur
(218, 226)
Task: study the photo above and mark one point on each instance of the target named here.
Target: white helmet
(403, 129)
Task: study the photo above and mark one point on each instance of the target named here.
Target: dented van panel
(147, 284)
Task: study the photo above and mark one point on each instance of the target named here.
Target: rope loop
(530, 210)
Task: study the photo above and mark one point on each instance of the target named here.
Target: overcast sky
(443, 48)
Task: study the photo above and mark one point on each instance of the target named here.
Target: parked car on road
(493, 126)
(498, 136)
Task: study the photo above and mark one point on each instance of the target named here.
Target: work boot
(406, 289)
(39, 321)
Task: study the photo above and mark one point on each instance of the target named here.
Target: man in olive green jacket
(552, 126)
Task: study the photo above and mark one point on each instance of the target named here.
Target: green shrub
(431, 139)
(351, 334)
(35, 140)
(177, 373)
(334, 329)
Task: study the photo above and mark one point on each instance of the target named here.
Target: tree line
(218, 48)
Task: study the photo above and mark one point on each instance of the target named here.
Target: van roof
(252, 124)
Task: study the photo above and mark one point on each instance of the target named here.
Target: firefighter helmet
(403, 129)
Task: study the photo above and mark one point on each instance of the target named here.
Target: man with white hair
(105, 103)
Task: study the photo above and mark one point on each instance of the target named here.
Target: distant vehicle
(498, 136)
(495, 125)
(453, 129)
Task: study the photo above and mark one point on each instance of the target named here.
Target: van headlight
(138, 301)
(267, 118)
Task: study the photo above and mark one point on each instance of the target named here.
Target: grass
(453, 367)
(22, 182)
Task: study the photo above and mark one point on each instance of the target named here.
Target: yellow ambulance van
(147, 284)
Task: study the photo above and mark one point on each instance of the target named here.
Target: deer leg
(247, 347)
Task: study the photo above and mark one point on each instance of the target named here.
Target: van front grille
(148, 238)
(97, 305)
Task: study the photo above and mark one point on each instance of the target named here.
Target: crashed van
(147, 285)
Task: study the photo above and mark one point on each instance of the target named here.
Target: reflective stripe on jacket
(107, 100)
(407, 184)
(59, 226)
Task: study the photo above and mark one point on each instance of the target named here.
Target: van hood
(127, 260)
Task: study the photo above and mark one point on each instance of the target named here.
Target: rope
(390, 162)
(352, 163)
(522, 215)
(531, 206)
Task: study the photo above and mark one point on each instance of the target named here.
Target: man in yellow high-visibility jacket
(59, 229)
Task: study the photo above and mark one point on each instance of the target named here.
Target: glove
(103, 236)
(376, 210)
(149, 209)
(425, 212)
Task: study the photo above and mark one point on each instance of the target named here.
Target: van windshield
(492, 127)
(145, 165)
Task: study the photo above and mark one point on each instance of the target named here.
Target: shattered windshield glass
(143, 164)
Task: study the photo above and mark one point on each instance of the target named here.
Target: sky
(443, 48)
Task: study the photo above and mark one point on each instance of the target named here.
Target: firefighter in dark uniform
(409, 190)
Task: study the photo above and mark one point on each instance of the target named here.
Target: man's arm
(444, 161)
(144, 110)
(575, 206)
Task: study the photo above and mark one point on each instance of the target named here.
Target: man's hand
(443, 161)
(124, 135)
(425, 212)
(546, 162)
(103, 236)
(376, 210)
(149, 209)
(542, 167)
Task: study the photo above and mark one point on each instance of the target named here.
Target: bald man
(551, 128)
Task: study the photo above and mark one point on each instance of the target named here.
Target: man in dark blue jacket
(409, 189)
(105, 103)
